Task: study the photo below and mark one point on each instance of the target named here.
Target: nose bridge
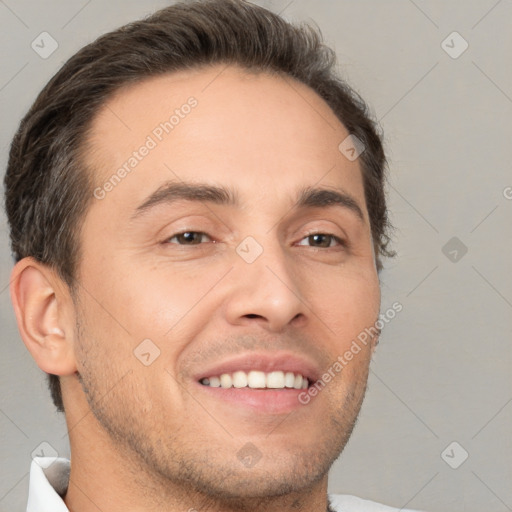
(265, 285)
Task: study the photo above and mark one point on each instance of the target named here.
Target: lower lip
(269, 401)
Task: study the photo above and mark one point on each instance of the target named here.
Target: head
(163, 194)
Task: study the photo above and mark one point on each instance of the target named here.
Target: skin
(147, 437)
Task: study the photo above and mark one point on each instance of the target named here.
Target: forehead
(253, 132)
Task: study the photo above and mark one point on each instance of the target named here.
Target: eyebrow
(172, 192)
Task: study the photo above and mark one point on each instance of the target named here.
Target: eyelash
(340, 241)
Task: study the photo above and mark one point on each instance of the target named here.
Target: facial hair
(160, 460)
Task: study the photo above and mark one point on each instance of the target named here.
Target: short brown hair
(47, 186)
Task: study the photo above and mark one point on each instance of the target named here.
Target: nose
(266, 291)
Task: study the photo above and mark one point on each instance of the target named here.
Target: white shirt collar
(49, 476)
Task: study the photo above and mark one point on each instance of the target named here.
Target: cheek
(347, 305)
(158, 304)
(125, 361)
(139, 302)
(147, 311)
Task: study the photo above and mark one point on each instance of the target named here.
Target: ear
(45, 316)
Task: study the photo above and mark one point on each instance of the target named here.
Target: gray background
(442, 372)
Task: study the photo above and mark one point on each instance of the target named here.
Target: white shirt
(49, 477)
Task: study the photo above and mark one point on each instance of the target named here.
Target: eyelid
(341, 241)
(182, 232)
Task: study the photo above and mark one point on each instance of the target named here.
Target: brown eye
(322, 240)
(188, 238)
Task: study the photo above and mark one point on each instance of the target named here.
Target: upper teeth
(257, 380)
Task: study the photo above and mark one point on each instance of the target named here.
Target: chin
(275, 474)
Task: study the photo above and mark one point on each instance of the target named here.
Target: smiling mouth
(257, 380)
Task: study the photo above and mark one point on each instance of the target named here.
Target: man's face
(247, 288)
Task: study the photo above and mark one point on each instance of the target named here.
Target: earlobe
(42, 309)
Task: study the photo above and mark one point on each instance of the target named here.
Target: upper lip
(264, 362)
